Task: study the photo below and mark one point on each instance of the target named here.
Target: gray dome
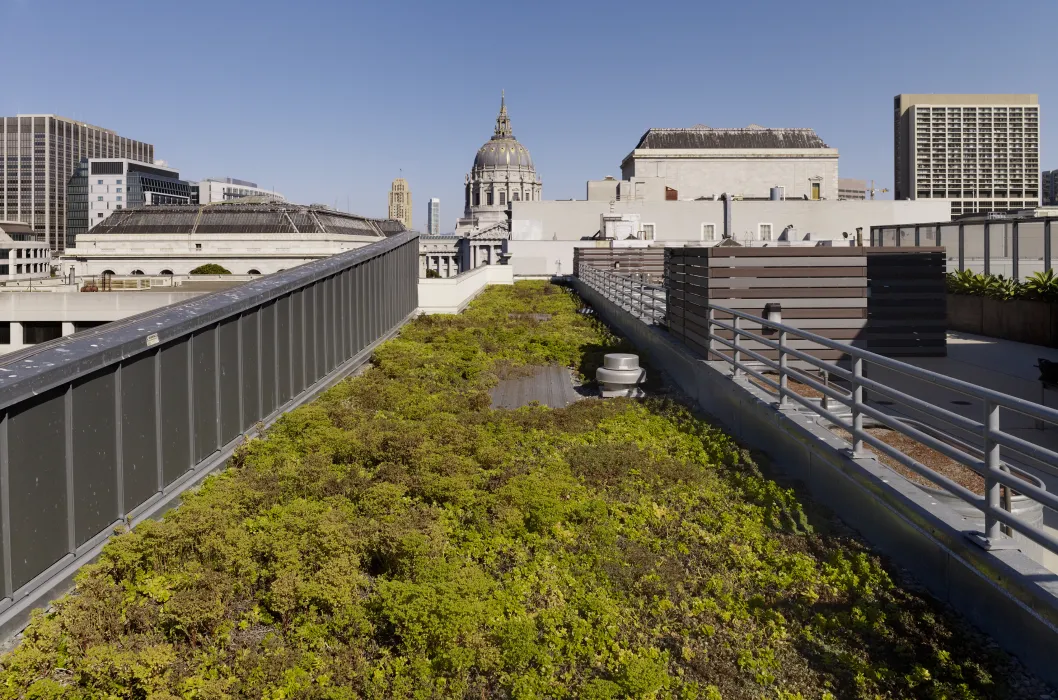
(504, 153)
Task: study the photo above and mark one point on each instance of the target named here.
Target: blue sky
(327, 101)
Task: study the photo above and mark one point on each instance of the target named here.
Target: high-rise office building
(980, 151)
(433, 217)
(1049, 196)
(39, 153)
(400, 202)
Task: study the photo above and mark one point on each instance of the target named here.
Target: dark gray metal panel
(251, 381)
(175, 396)
(52, 364)
(204, 391)
(95, 455)
(285, 358)
(297, 334)
(314, 332)
(326, 332)
(139, 442)
(269, 360)
(37, 476)
(334, 328)
(346, 313)
(358, 308)
(231, 384)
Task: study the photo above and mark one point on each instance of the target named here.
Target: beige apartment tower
(980, 151)
(400, 202)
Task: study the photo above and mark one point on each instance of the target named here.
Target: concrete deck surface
(1000, 365)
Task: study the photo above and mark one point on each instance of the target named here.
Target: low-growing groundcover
(398, 538)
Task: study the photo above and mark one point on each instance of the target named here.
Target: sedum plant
(399, 538)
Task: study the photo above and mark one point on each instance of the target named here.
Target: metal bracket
(988, 544)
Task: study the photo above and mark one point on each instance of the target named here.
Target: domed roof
(503, 153)
(503, 150)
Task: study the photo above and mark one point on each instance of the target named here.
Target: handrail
(642, 300)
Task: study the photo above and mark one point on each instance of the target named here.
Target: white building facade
(22, 256)
(227, 189)
(705, 162)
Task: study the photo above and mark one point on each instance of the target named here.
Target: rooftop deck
(399, 537)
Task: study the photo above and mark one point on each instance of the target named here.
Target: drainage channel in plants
(398, 537)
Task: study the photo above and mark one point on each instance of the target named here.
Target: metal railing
(986, 460)
(109, 425)
(633, 292)
(1014, 248)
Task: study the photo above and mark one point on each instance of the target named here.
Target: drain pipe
(728, 225)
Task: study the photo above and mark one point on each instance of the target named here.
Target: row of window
(30, 269)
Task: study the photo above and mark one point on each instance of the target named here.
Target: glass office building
(39, 154)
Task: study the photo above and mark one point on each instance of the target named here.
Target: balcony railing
(982, 452)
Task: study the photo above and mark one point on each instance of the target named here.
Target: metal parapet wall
(109, 426)
(1003, 592)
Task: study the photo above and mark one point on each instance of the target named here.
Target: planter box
(1022, 320)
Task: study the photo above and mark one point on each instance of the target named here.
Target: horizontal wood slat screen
(649, 261)
(890, 301)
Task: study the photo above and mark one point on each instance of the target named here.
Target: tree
(210, 269)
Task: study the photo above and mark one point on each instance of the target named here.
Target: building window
(99, 198)
(119, 182)
(99, 182)
(516, 198)
(117, 189)
(119, 197)
(488, 199)
(5, 331)
(816, 190)
(198, 246)
(708, 232)
(648, 232)
(99, 215)
(40, 331)
(117, 206)
(5, 269)
(764, 232)
(503, 198)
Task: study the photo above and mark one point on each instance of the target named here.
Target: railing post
(992, 531)
(709, 331)
(826, 399)
(737, 355)
(783, 378)
(857, 399)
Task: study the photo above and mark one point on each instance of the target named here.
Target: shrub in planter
(211, 269)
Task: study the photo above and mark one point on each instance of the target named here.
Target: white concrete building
(22, 256)
(705, 162)
(543, 234)
(242, 238)
(226, 189)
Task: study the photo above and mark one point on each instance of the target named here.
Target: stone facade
(400, 202)
(702, 162)
(502, 173)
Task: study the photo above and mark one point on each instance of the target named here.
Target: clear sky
(328, 100)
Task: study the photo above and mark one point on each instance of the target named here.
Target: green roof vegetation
(399, 538)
